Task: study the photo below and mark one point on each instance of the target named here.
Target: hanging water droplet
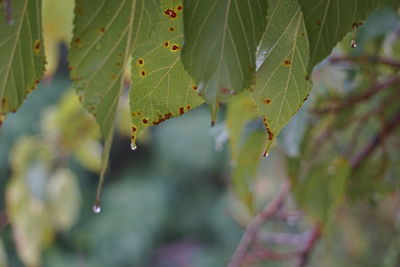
(97, 47)
(96, 208)
(133, 145)
(353, 43)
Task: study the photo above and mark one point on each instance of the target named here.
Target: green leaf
(221, 38)
(240, 111)
(323, 188)
(245, 139)
(64, 198)
(104, 36)
(327, 22)
(161, 88)
(21, 54)
(281, 82)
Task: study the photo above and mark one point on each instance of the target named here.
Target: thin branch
(381, 60)
(255, 226)
(376, 140)
(352, 100)
(305, 254)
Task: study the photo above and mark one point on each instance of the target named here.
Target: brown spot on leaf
(170, 13)
(140, 62)
(36, 47)
(166, 44)
(135, 113)
(194, 87)
(78, 42)
(270, 134)
(142, 73)
(267, 101)
(145, 121)
(181, 110)
(79, 11)
(188, 107)
(174, 48)
(171, 29)
(134, 129)
(180, 7)
(287, 63)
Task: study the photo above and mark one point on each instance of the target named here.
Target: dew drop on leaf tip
(96, 208)
(133, 146)
(353, 44)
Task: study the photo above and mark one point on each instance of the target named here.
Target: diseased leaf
(104, 36)
(21, 54)
(327, 22)
(161, 88)
(281, 81)
(221, 38)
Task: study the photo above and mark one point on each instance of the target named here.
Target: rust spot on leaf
(171, 29)
(79, 11)
(36, 47)
(267, 101)
(287, 63)
(145, 121)
(180, 7)
(170, 13)
(140, 62)
(174, 48)
(133, 129)
(270, 134)
(181, 110)
(78, 42)
(194, 87)
(188, 107)
(135, 113)
(142, 73)
(166, 44)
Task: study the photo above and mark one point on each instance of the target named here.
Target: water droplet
(133, 145)
(96, 208)
(266, 153)
(97, 47)
(353, 43)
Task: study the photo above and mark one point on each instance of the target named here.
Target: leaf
(237, 119)
(64, 198)
(281, 82)
(327, 22)
(244, 172)
(221, 38)
(161, 88)
(323, 188)
(21, 54)
(104, 38)
(245, 137)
